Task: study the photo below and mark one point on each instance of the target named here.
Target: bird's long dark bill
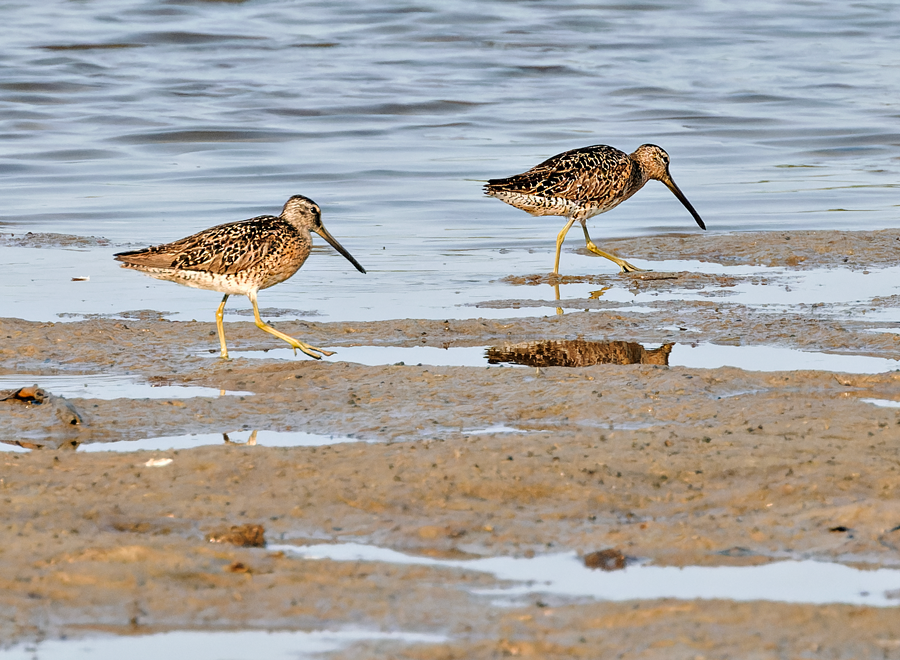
(340, 248)
(681, 198)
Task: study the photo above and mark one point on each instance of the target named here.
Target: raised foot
(621, 263)
(311, 351)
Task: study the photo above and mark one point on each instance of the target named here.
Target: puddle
(374, 356)
(882, 403)
(500, 428)
(774, 358)
(101, 386)
(764, 286)
(202, 645)
(248, 438)
(830, 286)
(564, 574)
(580, 353)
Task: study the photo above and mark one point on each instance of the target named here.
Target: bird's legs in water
(559, 310)
(621, 263)
(311, 351)
(559, 241)
(560, 237)
(220, 328)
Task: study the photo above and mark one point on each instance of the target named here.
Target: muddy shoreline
(675, 466)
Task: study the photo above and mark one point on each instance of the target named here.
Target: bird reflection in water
(251, 441)
(578, 353)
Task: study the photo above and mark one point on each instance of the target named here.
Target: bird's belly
(237, 284)
(538, 204)
(580, 209)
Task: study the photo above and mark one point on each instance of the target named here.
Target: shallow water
(882, 403)
(777, 288)
(249, 438)
(499, 428)
(142, 123)
(461, 356)
(565, 574)
(106, 386)
(700, 356)
(209, 645)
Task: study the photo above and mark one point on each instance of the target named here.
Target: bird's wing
(222, 250)
(590, 173)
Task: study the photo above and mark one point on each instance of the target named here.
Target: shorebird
(583, 182)
(241, 258)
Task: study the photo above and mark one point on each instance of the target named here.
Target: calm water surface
(141, 122)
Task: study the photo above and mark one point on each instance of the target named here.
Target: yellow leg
(311, 351)
(596, 294)
(621, 263)
(559, 310)
(221, 328)
(559, 241)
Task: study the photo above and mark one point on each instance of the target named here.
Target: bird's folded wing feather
(581, 175)
(222, 250)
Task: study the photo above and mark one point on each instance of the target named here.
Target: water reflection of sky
(109, 386)
(211, 645)
(699, 356)
(39, 287)
(564, 574)
(143, 126)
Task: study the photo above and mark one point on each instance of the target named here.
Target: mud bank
(669, 465)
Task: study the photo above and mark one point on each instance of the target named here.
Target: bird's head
(654, 161)
(302, 212)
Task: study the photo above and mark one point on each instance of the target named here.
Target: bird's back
(592, 179)
(258, 252)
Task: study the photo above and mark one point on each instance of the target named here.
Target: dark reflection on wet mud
(49, 444)
(578, 353)
(251, 441)
(44, 419)
(610, 559)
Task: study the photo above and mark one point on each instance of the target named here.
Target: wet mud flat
(624, 451)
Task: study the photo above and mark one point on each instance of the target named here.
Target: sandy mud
(619, 451)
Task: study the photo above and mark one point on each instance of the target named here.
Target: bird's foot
(621, 263)
(311, 351)
(630, 268)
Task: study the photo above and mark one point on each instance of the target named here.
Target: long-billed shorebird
(242, 258)
(583, 182)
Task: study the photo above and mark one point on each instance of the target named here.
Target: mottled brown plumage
(241, 258)
(577, 353)
(583, 182)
